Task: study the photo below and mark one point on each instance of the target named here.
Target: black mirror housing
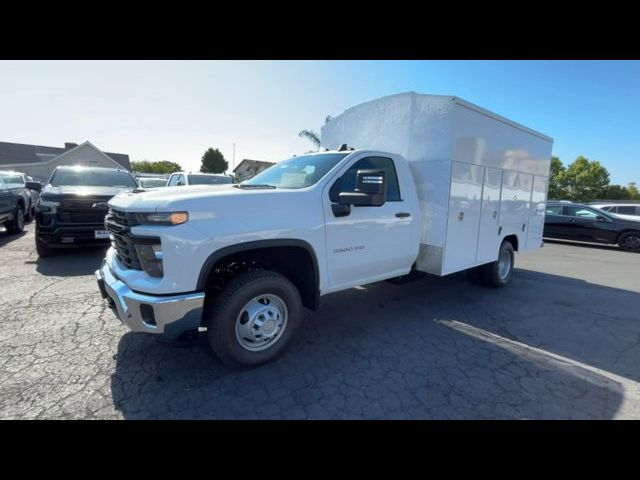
(37, 186)
(371, 190)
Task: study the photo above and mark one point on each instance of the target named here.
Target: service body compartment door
(464, 217)
(515, 205)
(489, 239)
(537, 213)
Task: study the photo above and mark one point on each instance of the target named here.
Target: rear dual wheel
(495, 274)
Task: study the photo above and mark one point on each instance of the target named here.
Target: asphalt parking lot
(561, 341)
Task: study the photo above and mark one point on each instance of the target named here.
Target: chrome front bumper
(169, 315)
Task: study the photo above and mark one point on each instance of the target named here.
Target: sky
(175, 110)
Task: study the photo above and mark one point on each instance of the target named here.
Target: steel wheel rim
(504, 265)
(261, 322)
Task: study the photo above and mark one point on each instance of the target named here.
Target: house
(39, 161)
(249, 168)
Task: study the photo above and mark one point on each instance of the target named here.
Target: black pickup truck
(72, 206)
(13, 204)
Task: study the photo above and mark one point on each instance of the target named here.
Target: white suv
(629, 211)
(179, 179)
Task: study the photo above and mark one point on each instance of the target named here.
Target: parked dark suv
(575, 221)
(72, 206)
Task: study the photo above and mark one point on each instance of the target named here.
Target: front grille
(119, 225)
(82, 211)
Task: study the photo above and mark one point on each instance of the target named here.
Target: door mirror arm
(340, 210)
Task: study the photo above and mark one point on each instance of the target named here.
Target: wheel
(42, 249)
(630, 241)
(497, 274)
(253, 319)
(17, 224)
(28, 214)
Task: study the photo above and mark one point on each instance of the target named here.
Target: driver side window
(347, 182)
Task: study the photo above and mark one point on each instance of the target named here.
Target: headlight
(49, 206)
(150, 256)
(167, 218)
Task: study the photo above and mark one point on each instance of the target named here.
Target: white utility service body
(479, 176)
(456, 181)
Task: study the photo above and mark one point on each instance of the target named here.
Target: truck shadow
(545, 347)
(70, 262)
(6, 237)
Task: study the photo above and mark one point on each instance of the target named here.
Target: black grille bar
(119, 225)
(83, 211)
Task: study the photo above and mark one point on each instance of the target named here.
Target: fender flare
(212, 259)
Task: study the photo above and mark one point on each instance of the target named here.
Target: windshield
(152, 182)
(92, 178)
(297, 172)
(209, 180)
(11, 178)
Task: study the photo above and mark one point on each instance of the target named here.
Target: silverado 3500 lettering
(242, 260)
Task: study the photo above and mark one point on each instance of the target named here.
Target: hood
(169, 198)
(84, 191)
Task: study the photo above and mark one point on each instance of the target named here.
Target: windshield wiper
(257, 185)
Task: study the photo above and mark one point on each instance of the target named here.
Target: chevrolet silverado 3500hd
(436, 185)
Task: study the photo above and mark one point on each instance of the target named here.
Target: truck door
(371, 243)
(584, 224)
(553, 222)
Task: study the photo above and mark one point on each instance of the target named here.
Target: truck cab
(310, 225)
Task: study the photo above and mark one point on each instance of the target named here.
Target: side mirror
(37, 186)
(180, 184)
(371, 190)
(600, 218)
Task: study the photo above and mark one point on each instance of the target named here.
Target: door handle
(403, 214)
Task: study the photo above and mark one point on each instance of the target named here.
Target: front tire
(28, 214)
(17, 224)
(253, 318)
(630, 241)
(497, 274)
(42, 249)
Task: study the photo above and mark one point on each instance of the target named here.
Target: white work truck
(435, 184)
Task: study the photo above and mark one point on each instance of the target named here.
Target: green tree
(616, 192)
(557, 190)
(163, 166)
(213, 162)
(585, 180)
(634, 193)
